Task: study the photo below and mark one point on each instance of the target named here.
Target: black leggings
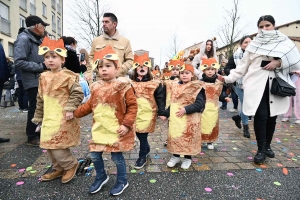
(185, 156)
(264, 125)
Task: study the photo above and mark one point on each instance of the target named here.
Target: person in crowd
(120, 44)
(4, 76)
(86, 58)
(225, 88)
(294, 100)
(156, 73)
(208, 49)
(114, 109)
(59, 94)
(213, 93)
(233, 62)
(72, 62)
(31, 64)
(9, 85)
(187, 104)
(22, 95)
(270, 50)
(150, 96)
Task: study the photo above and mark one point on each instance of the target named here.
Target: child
(114, 109)
(150, 98)
(59, 94)
(187, 104)
(213, 89)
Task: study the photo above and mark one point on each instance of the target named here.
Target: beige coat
(120, 44)
(254, 84)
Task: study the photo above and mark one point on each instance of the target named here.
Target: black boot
(237, 119)
(269, 152)
(261, 153)
(246, 131)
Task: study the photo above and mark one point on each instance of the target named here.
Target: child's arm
(39, 111)
(224, 98)
(160, 98)
(199, 104)
(76, 96)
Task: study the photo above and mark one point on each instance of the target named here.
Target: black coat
(11, 83)
(72, 62)
(4, 70)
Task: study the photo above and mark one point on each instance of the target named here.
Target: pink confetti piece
(201, 153)
(20, 183)
(114, 172)
(249, 158)
(40, 179)
(230, 174)
(22, 170)
(208, 189)
(44, 151)
(75, 151)
(195, 159)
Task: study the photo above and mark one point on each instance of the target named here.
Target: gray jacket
(27, 59)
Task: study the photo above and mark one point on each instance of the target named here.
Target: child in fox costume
(186, 105)
(59, 94)
(114, 109)
(150, 98)
(213, 89)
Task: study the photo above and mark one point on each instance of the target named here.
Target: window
(10, 49)
(4, 19)
(53, 22)
(44, 10)
(58, 26)
(22, 21)
(4, 11)
(32, 7)
(23, 4)
(32, 2)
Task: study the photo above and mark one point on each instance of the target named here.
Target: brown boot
(52, 175)
(69, 174)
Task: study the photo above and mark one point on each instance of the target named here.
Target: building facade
(14, 12)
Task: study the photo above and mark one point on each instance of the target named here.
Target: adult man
(31, 65)
(111, 37)
(4, 75)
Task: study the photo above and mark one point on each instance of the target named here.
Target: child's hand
(296, 72)
(69, 115)
(180, 113)
(220, 78)
(162, 118)
(227, 99)
(122, 130)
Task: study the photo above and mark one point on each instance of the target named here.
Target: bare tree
(231, 31)
(174, 46)
(86, 19)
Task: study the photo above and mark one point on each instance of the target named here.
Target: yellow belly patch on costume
(177, 125)
(209, 118)
(144, 114)
(104, 130)
(53, 114)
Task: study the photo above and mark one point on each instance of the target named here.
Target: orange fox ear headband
(52, 45)
(188, 67)
(211, 62)
(167, 75)
(107, 53)
(140, 60)
(175, 64)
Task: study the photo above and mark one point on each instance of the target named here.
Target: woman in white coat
(269, 51)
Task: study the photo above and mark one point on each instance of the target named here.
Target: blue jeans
(224, 104)
(118, 159)
(144, 145)
(240, 93)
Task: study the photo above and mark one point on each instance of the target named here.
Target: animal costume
(210, 115)
(57, 93)
(112, 103)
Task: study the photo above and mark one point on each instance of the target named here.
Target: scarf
(209, 79)
(70, 48)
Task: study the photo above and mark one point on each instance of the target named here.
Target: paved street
(227, 172)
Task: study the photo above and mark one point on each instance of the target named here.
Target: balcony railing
(53, 27)
(23, 4)
(32, 9)
(5, 26)
(53, 4)
(59, 30)
(59, 9)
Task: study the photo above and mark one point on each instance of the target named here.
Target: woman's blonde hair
(86, 55)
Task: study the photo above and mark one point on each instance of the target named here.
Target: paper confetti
(201, 153)
(277, 183)
(234, 148)
(44, 151)
(33, 171)
(13, 165)
(28, 169)
(142, 173)
(174, 170)
(285, 171)
(22, 170)
(195, 159)
(258, 169)
(230, 174)
(20, 183)
(208, 189)
(156, 157)
(133, 171)
(263, 166)
(279, 165)
(249, 158)
(152, 181)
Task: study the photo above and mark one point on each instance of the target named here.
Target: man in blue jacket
(31, 65)
(4, 75)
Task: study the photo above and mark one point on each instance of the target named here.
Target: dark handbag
(281, 87)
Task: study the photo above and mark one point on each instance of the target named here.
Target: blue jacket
(4, 70)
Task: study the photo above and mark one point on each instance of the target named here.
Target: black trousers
(30, 128)
(22, 96)
(264, 125)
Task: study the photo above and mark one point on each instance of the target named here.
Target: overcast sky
(149, 24)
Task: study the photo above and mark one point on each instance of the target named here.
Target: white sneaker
(210, 146)
(173, 161)
(298, 121)
(186, 163)
(285, 119)
(233, 110)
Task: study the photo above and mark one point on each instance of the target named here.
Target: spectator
(4, 76)
(120, 44)
(72, 61)
(86, 57)
(9, 85)
(31, 64)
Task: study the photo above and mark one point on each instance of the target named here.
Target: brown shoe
(52, 175)
(34, 142)
(69, 174)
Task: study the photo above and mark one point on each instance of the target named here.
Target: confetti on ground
(208, 189)
(165, 151)
(133, 171)
(75, 151)
(195, 159)
(258, 169)
(20, 183)
(234, 148)
(142, 173)
(249, 158)
(152, 181)
(156, 157)
(22, 170)
(294, 159)
(285, 171)
(114, 173)
(28, 169)
(230, 174)
(279, 165)
(263, 166)
(44, 151)
(201, 153)
(33, 171)
(157, 148)
(233, 141)
(174, 170)
(199, 164)
(13, 165)
(277, 183)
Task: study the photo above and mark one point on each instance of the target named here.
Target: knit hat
(33, 20)
(140, 60)
(52, 45)
(210, 62)
(107, 53)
